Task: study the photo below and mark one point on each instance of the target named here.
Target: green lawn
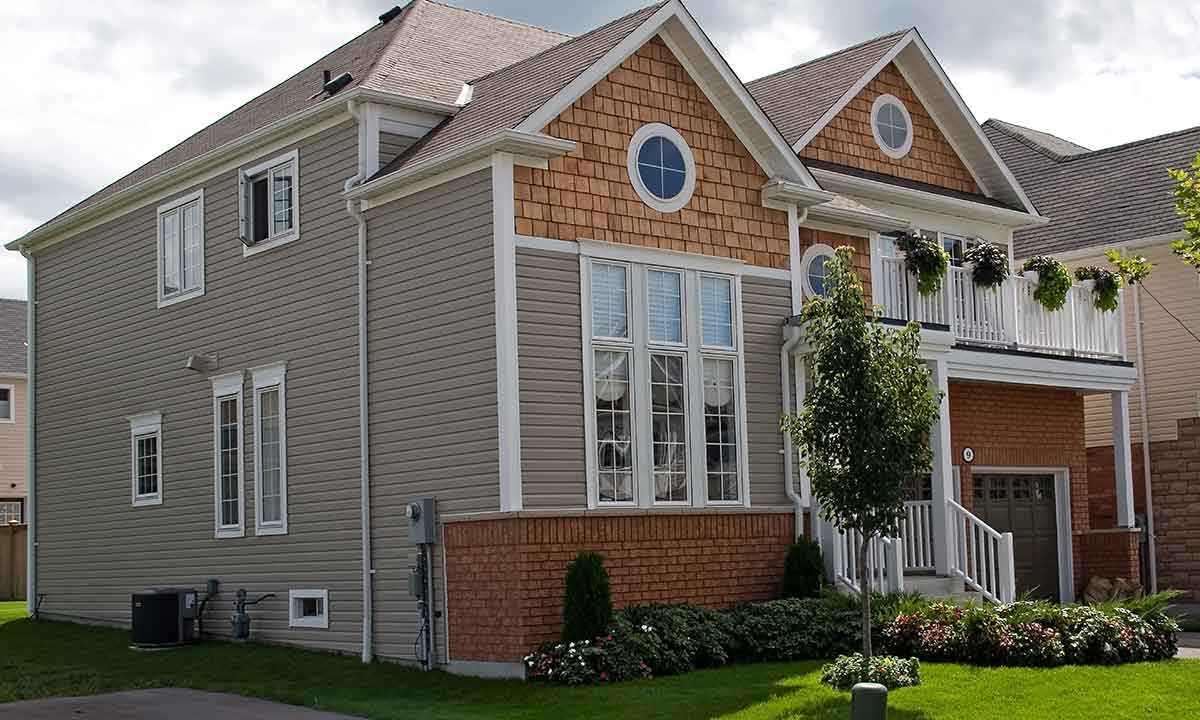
(44, 659)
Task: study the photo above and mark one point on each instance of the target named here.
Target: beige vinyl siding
(14, 442)
(1170, 352)
(106, 352)
(765, 305)
(550, 355)
(433, 408)
(391, 145)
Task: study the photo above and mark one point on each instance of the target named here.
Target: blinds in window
(664, 305)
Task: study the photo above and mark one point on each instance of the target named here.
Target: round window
(661, 167)
(816, 275)
(892, 126)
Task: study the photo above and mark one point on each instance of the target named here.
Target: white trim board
(508, 393)
(1023, 369)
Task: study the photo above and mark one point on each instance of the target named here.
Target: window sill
(147, 500)
(277, 241)
(270, 530)
(166, 302)
(230, 532)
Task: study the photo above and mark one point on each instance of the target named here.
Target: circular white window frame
(894, 153)
(805, 259)
(643, 134)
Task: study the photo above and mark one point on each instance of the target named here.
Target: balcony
(1003, 317)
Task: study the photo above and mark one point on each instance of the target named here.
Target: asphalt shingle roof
(1093, 197)
(12, 336)
(797, 97)
(427, 51)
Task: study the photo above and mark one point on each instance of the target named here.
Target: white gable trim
(785, 163)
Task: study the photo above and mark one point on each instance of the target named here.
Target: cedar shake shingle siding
(106, 352)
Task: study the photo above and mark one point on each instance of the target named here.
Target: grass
(42, 659)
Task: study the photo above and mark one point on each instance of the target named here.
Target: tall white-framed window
(145, 455)
(8, 403)
(269, 203)
(181, 249)
(663, 375)
(229, 504)
(270, 449)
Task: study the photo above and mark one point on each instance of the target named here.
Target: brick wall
(1175, 480)
(587, 194)
(1108, 554)
(504, 577)
(848, 140)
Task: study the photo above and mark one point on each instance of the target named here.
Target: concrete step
(940, 587)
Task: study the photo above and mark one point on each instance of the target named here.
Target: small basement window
(308, 608)
(269, 203)
(6, 403)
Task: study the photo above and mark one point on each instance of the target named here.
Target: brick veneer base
(504, 577)
(1109, 554)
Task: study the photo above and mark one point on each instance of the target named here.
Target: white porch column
(943, 472)
(1121, 457)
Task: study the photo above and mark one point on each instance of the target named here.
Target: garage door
(1023, 505)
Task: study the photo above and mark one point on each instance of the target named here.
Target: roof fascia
(659, 24)
(188, 171)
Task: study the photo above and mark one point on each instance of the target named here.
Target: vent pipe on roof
(390, 15)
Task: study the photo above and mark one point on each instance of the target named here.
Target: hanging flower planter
(987, 263)
(926, 259)
(1053, 281)
(1105, 286)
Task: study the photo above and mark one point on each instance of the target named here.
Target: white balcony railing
(1006, 316)
(983, 557)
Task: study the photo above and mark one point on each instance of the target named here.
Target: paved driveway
(1189, 646)
(172, 703)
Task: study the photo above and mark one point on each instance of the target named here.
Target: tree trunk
(864, 588)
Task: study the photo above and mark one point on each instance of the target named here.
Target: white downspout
(785, 364)
(31, 586)
(1144, 415)
(364, 442)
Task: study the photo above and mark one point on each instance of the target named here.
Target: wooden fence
(12, 561)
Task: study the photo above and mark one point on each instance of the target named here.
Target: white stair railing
(983, 557)
(885, 564)
(916, 535)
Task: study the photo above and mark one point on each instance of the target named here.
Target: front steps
(938, 587)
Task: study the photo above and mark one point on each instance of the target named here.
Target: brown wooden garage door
(1023, 505)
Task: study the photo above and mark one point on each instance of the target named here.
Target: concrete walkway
(173, 703)
(1189, 646)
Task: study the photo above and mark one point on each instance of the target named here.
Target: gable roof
(1052, 145)
(425, 52)
(12, 336)
(797, 97)
(1095, 198)
(921, 70)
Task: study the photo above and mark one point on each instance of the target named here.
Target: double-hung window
(664, 419)
(229, 507)
(270, 449)
(146, 458)
(7, 403)
(181, 249)
(270, 203)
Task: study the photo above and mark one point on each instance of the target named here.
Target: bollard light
(868, 701)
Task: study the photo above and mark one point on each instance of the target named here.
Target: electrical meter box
(422, 522)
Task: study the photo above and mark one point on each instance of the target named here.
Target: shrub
(891, 672)
(803, 570)
(1054, 282)
(676, 638)
(1107, 292)
(991, 264)
(792, 630)
(587, 607)
(570, 663)
(926, 259)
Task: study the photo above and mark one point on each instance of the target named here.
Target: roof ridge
(401, 25)
(497, 17)
(1136, 143)
(1009, 129)
(897, 33)
(570, 39)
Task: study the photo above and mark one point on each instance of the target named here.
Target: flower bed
(890, 672)
(1032, 634)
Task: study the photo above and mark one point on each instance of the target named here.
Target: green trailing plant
(803, 570)
(1133, 269)
(926, 259)
(991, 264)
(867, 413)
(587, 606)
(1106, 293)
(890, 672)
(1187, 204)
(1054, 282)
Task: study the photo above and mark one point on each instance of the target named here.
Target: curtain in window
(720, 429)
(614, 441)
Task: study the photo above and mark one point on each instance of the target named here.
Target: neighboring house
(14, 429)
(551, 283)
(1120, 198)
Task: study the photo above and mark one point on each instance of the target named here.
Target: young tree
(864, 429)
(1187, 203)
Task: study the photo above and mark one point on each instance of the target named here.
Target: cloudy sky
(96, 89)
